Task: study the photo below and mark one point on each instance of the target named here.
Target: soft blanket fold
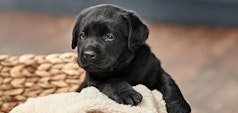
(91, 100)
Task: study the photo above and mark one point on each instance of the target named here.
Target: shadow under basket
(27, 76)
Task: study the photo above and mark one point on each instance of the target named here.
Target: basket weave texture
(22, 77)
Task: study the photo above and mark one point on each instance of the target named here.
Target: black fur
(112, 50)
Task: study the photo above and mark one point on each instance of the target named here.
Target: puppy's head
(107, 36)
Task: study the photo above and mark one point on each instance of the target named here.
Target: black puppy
(112, 50)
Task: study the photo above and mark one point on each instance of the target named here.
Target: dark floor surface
(203, 60)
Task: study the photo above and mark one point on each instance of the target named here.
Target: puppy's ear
(138, 31)
(75, 36)
(77, 26)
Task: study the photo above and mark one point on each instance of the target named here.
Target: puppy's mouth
(95, 66)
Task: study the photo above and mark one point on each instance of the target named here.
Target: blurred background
(196, 40)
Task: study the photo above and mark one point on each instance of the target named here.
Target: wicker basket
(22, 77)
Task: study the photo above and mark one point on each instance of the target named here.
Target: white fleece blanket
(91, 100)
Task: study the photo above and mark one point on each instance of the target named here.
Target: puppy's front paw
(130, 97)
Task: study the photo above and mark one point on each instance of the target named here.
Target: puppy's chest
(132, 78)
(91, 83)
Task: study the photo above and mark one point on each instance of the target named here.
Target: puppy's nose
(89, 55)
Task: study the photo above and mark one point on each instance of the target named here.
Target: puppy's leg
(120, 91)
(173, 97)
(115, 88)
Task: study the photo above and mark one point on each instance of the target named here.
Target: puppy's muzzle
(91, 52)
(89, 55)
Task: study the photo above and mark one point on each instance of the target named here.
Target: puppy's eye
(82, 36)
(109, 37)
